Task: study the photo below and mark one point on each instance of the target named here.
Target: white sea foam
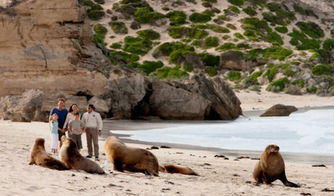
(308, 132)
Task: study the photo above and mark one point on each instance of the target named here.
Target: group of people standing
(62, 121)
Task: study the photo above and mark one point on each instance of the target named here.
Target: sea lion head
(272, 148)
(39, 144)
(68, 142)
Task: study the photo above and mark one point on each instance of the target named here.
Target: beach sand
(217, 176)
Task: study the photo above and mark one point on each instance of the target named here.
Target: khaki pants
(92, 136)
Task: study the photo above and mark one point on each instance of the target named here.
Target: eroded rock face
(22, 108)
(279, 110)
(40, 48)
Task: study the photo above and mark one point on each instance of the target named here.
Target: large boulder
(124, 90)
(24, 108)
(224, 103)
(234, 60)
(169, 102)
(198, 98)
(279, 110)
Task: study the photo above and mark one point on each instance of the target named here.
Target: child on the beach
(75, 129)
(54, 133)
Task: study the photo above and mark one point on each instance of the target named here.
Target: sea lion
(70, 155)
(130, 159)
(177, 169)
(271, 167)
(40, 157)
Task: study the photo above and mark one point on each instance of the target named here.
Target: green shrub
(94, 14)
(177, 56)
(271, 73)
(239, 36)
(249, 81)
(188, 68)
(231, 26)
(100, 29)
(243, 46)
(311, 89)
(209, 59)
(168, 47)
(236, 2)
(250, 11)
(274, 38)
(178, 32)
(118, 27)
(116, 46)
(149, 34)
(323, 69)
(227, 46)
(171, 73)
(232, 10)
(287, 70)
(217, 28)
(225, 37)
(278, 85)
(211, 42)
(332, 32)
(311, 29)
(150, 66)
(99, 39)
(302, 42)
(233, 75)
(99, 34)
(212, 71)
(277, 52)
(137, 45)
(177, 17)
(299, 82)
(199, 17)
(146, 15)
(281, 29)
(128, 57)
(328, 44)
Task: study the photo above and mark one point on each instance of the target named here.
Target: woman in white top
(70, 116)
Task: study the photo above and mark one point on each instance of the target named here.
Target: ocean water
(307, 132)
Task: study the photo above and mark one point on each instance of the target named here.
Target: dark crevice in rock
(86, 94)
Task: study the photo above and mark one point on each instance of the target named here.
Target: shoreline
(233, 177)
(293, 157)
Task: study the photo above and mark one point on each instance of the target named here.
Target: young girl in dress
(54, 133)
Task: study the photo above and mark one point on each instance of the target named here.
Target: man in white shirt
(93, 127)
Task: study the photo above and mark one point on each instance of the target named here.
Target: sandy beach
(217, 176)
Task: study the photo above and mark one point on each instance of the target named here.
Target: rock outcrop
(279, 110)
(23, 108)
(46, 45)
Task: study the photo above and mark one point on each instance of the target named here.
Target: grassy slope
(289, 44)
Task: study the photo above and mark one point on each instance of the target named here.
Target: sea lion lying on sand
(271, 167)
(177, 169)
(40, 157)
(70, 155)
(130, 159)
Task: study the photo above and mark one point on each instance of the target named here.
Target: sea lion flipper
(291, 184)
(118, 165)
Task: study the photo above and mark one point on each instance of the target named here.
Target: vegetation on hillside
(286, 46)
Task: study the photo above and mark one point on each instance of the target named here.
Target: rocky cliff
(46, 45)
